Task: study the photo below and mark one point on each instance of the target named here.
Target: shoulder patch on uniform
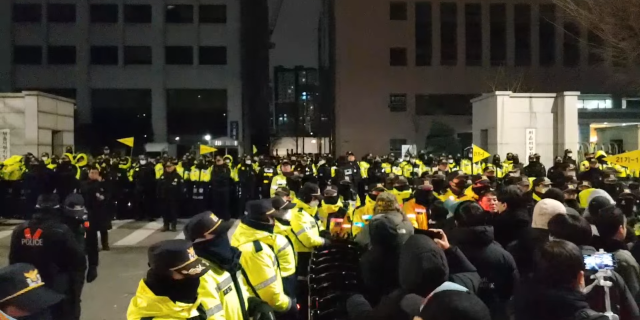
(257, 246)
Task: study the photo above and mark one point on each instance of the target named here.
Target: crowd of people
(443, 237)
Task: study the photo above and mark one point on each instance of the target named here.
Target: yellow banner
(630, 159)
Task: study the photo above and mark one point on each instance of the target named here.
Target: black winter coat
(509, 225)
(97, 209)
(534, 301)
(494, 264)
(523, 250)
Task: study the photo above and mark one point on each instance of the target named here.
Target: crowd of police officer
(309, 202)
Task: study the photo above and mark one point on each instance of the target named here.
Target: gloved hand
(260, 310)
(92, 274)
(325, 234)
(327, 242)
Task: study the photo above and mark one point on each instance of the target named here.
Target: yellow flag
(479, 154)
(206, 149)
(127, 141)
(630, 160)
(255, 150)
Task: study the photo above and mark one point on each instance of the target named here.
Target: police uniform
(52, 247)
(170, 192)
(22, 287)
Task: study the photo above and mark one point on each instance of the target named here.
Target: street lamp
(207, 137)
(177, 138)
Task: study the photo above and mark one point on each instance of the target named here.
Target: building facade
(396, 69)
(165, 70)
(297, 111)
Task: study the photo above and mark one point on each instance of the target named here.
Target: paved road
(120, 269)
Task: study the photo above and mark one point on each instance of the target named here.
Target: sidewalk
(10, 222)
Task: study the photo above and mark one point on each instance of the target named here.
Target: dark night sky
(296, 34)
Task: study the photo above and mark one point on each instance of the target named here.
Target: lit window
(595, 104)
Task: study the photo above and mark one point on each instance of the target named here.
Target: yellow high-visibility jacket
(362, 215)
(284, 249)
(305, 228)
(260, 262)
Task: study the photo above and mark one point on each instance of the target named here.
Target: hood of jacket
(480, 236)
(145, 304)
(389, 229)
(422, 265)
(540, 302)
(544, 210)
(251, 230)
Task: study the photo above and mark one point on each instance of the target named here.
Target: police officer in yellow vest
(457, 187)
(540, 187)
(281, 179)
(211, 243)
(172, 286)
(259, 244)
(200, 184)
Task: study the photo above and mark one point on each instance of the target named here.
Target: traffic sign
(479, 154)
(628, 159)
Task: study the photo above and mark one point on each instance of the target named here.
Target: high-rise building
(168, 71)
(392, 71)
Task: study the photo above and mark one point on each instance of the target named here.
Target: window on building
(61, 55)
(397, 57)
(398, 102)
(444, 104)
(498, 33)
(398, 10)
(121, 113)
(104, 55)
(448, 34)
(180, 13)
(213, 13)
(137, 55)
(104, 13)
(27, 12)
(212, 55)
(137, 13)
(596, 49)
(197, 112)
(631, 103)
(423, 33)
(571, 45)
(547, 35)
(27, 55)
(522, 34)
(395, 146)
(595, 103)
(178, 55)
(61, 12)
(473, 31)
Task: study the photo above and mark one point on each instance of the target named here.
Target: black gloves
(325, 234)
(327, 242)
(260, 310)
(92, 274)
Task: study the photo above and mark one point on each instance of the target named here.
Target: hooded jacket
(257, 242)
(399, 219)
(423, 268)
(495, 265)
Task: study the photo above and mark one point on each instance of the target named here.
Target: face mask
(544, 190)
(247, 161)
(331, 200)
(314, 203)
(450, 160)
(226, 162)
(406, 158)
(569, 155)
(143, 162)
(45, 158)
(412, 161)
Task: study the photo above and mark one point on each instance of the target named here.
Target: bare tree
(508, 79)
(614, 32)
